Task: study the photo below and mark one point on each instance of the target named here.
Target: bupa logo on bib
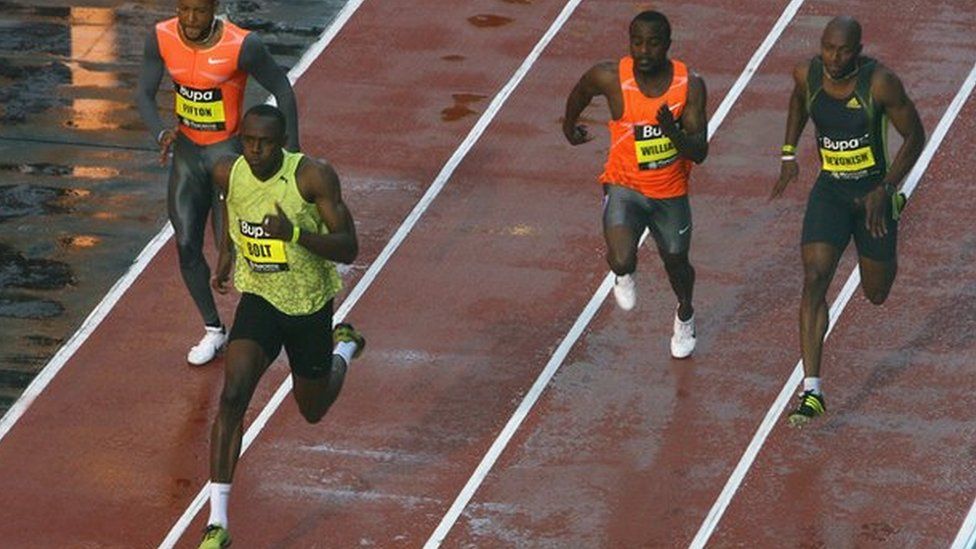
(846, 155)
(262, 253)
(653, 148)
(200, 109)
(253, 230)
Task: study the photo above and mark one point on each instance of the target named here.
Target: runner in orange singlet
(658, 129)
(209, 61)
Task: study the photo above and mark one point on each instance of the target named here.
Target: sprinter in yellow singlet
(287, 224)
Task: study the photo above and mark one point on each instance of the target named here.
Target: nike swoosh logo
(218, 61)
(683, 231)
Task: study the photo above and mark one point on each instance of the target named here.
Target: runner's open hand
(788, 170)
(277, 226)
(665, 120)
(166, 140)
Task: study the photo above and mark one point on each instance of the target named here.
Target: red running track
(626, 448)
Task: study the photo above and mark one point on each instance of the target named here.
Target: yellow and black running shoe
(345, 332)
(898, 201)
(811, 406)
(215, 537)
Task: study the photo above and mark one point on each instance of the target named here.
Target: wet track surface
(81, 192)
(493, 379)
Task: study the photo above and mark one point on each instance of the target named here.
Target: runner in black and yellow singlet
(287, 224)
(851, 99)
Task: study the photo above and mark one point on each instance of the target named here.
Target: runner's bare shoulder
(603, 76)
(316, 177)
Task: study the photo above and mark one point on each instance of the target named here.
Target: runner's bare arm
(888, 90)
(257, 61)
(319, 183)
(691, 139)
(594, 82)
(797, 116)
(796, 120)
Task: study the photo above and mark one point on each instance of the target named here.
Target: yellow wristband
(788, 149)
(295, 233)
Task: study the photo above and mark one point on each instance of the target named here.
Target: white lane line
(98, 314)
(411, 220)
(316, 49)
(505, 436)
(966, 538)
(786, 394)
(105, 306)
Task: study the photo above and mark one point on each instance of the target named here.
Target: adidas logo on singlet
(853, 104)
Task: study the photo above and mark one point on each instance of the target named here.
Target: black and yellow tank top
(851, 132)
(290, 277)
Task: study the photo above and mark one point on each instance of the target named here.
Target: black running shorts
(833, 216)
(307, 339)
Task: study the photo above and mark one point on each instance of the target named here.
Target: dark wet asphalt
(81, 192)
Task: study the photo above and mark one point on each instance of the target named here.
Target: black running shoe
(811, 406)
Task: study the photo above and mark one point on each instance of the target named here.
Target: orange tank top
(640, 156)
(209, 87)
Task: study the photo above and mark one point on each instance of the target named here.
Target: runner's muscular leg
(316, 396)
(682, 277)
(190, 196)
(246, 363)
(622, 243)
(877, 278)
(819, 264)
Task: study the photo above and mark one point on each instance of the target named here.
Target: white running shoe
(625, 292)
(212, 343)
(683, 340)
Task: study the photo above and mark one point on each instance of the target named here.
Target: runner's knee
(877, 295)
(234, 399)
(622, 262)
(189, 250)
(815, 278)
(313, 413)
(676, 262)
(877, 279)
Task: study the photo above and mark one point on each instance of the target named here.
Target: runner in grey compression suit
(191, 194)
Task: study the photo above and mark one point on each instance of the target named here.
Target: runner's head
(650, 39)
(840, 46)
(197, 18)
(263, 136)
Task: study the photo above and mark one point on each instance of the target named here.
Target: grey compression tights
(191, 197)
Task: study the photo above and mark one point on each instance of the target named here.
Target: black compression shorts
(306, 338)
(833, 216)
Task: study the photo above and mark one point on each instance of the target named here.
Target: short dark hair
(651, 16)
(268, 111)
(848, 25)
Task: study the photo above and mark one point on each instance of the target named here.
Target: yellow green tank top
(293, 279)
